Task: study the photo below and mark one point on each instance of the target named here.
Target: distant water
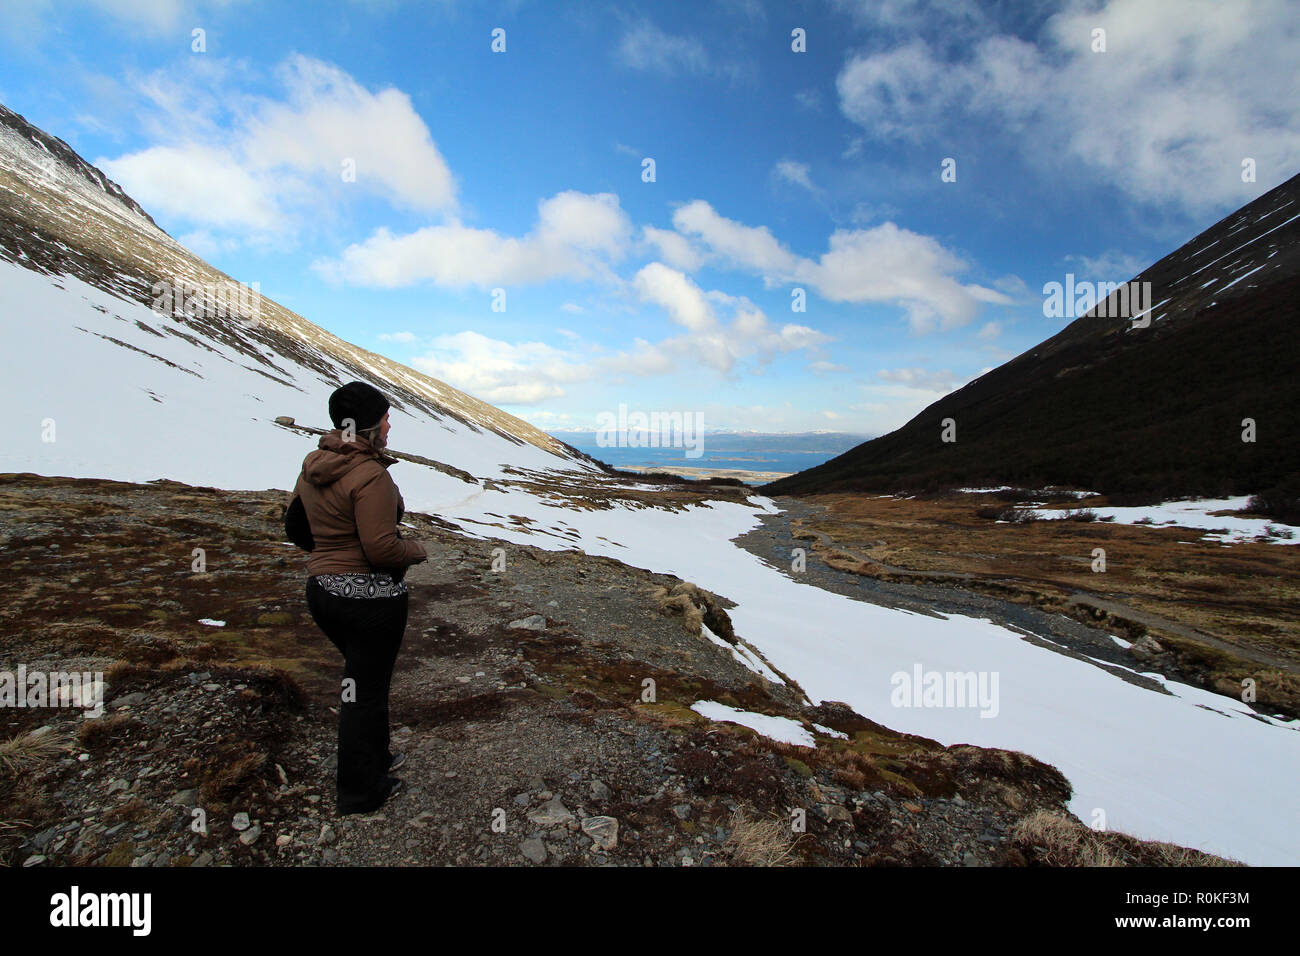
(786, 454)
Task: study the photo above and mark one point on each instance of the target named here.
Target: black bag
(296, 527)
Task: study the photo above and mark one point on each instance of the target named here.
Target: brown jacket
(353, 508)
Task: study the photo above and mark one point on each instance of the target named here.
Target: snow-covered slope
(108, 389)
(141, 366)
(99, 385)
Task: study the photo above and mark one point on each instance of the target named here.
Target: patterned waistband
(377, 584)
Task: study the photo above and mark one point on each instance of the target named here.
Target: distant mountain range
(1159, 405)
(724, 441)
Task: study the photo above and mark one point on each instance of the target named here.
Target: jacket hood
(334, 458)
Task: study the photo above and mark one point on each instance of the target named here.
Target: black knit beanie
(362, 403)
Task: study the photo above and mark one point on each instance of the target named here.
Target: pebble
(534, 849)
(240, 822)
(249, 836)
(602, 830)
(551, 813)
(835, 813)
(534, 622)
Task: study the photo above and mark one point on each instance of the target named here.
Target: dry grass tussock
(1055, 839)
(28, 751)
(764, 841)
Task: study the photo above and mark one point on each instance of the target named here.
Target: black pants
(368, 633)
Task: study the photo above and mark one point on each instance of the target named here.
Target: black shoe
(389, 787)
(399, 758)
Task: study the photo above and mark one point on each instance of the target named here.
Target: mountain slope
(1111, 407)
(61, 217)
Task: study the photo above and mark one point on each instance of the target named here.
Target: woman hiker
(356, 592)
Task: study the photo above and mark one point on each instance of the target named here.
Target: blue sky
(774, 171)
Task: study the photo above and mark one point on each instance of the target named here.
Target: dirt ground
(565, 739)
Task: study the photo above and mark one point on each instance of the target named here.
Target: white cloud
(907, 14)
(991, 330)
(793, 172)
(750, 247)
(646, 47)
(1185, 90)
(587, 222)
(941, 381)
(330, 118)
(809, 99)
(889, 264)
(158, 16)
(1110, 266)
(575, 237)
(404, 337)
(673, 248)
(207, 245)
(154, 16)
(493, 370)
(198, 184)
(899, 93)
(681, 298)
(714, 343)
(1015, 288)
(225, 160)
(882, 264)
(721, 331)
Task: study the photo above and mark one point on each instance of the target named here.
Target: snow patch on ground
(1194, 513)
(744, 656)
(777, 728)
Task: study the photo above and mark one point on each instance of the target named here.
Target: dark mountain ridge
(1117, 406)
(61, 153)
